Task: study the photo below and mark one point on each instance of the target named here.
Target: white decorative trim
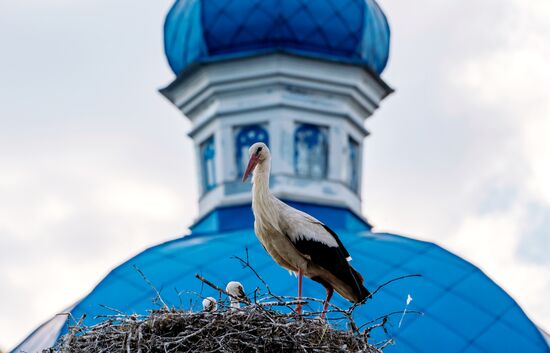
(279, 91)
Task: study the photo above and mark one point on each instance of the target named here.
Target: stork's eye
(259, 150)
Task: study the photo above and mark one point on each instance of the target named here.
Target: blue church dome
(463, 310)
(352, 31)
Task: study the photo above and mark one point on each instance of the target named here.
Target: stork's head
(209, 304)
(259, 153)
(235, 289)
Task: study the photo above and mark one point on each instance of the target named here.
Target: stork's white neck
(263, 201)
(260, 179)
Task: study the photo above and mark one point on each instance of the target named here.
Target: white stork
(209, 304)
(236, 291)
(297, 241)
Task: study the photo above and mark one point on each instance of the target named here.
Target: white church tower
(302, 96)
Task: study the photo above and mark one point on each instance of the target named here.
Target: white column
(198, 167)
(286, 127)
(336, 163)
(227, 153)
(360, 169)
(218, 145)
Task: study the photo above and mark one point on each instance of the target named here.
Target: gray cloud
(535, 235)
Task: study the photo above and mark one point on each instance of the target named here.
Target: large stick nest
(257, 327)
(251, 329)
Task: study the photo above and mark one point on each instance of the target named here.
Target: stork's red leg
(299, 306)
(330, 291)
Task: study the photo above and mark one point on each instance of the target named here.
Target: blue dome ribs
(354, 31)
(264, 29)
(289, 35)
(249, 31)
(171, 35)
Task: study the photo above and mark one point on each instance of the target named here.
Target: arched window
(245, 137)
(353, 164)
(208, 152)
(311, 151)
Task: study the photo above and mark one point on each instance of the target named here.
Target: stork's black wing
(340, 245)
(322, 245)
(334, 260)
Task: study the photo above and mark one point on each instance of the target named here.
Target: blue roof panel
(509, 339)
(462, 312)
(428, 335)
(477, 289)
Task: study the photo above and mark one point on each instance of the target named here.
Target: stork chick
(237, 295)
(209, 304)
(297, 241)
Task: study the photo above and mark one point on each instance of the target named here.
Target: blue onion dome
(463, 311)
(352, 31)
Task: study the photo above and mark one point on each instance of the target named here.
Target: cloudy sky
(93, 161)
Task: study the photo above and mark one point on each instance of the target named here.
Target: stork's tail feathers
(363, 293)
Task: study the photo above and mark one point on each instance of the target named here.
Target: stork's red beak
(251, 165)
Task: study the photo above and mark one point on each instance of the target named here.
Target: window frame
(237, 131)
(208, 181)
(323, 131)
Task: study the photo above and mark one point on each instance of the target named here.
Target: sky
(95, 162)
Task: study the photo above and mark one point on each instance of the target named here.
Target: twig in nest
(249, 266)
(246, 264)
(158, 297)
(387, 316)
(352, 308)
(67, 340)
(222, 291)
(393, 280)
(112, 309)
